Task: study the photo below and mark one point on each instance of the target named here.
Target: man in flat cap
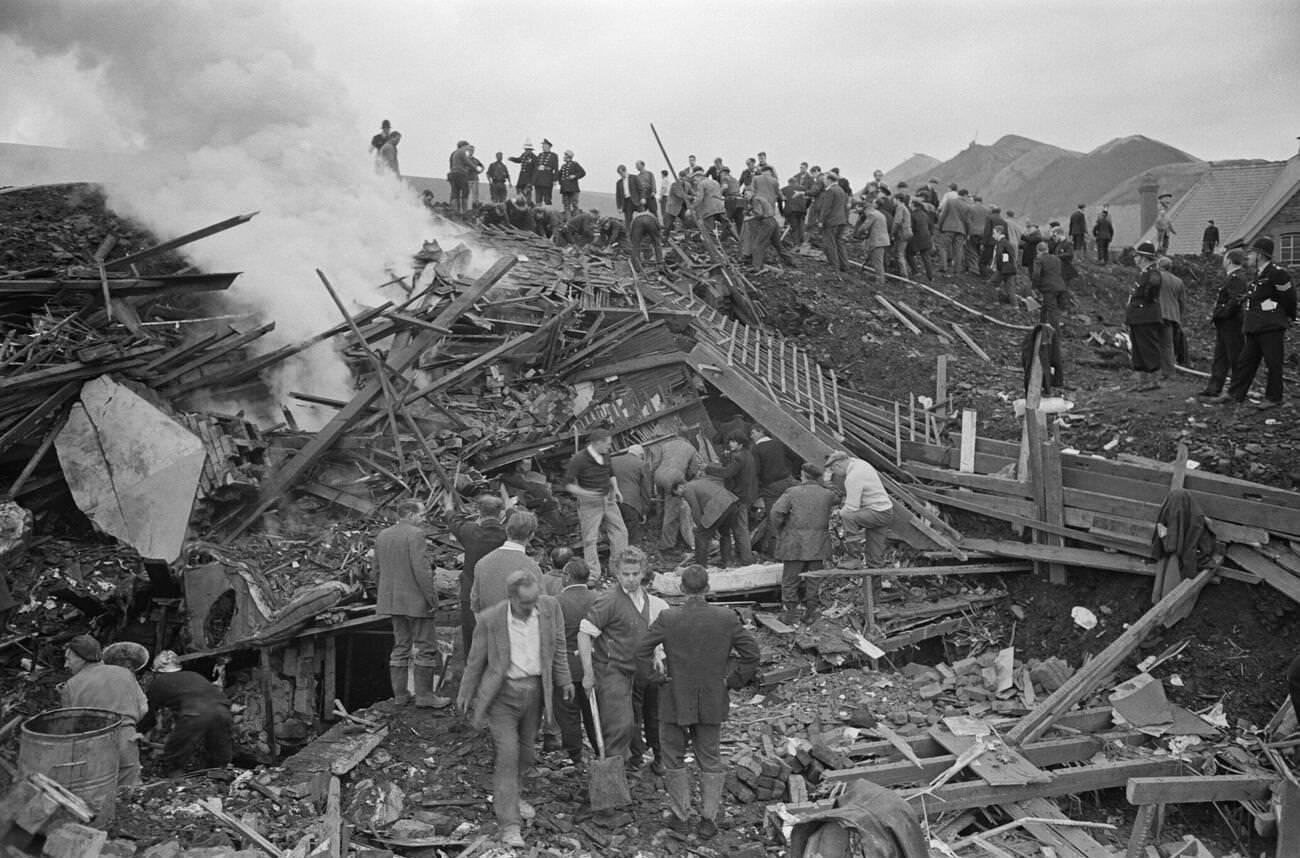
(95, 685)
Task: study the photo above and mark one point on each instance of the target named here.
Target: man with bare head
(408, 595)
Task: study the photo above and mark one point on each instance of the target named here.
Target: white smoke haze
(226, 101)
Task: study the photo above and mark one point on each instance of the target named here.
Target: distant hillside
(1070, 181)
(916, 165)
(999, 171)
(1041, 181)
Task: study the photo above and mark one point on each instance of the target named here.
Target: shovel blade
(607, 784)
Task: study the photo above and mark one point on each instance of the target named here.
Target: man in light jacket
(517, 657)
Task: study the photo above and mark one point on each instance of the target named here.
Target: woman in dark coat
(1144, 319)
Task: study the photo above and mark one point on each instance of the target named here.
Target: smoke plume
(234, 116)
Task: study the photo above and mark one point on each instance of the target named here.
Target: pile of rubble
(255, 541)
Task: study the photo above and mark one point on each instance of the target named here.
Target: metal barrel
(78, 748)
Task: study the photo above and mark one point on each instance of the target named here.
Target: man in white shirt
(516, 658)
(867, 509)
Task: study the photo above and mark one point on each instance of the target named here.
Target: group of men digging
(106, 679)
(579, 649)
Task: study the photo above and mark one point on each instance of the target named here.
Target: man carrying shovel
(698, 640)
(607, 642)
(516, 658)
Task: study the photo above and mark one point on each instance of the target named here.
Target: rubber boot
(711, 785)
(678, 784)
(424, 696)
(397, 678)
(790, 613)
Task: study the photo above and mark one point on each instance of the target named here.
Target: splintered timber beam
(181, 240)
(399, 360)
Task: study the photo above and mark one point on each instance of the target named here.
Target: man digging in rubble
(716, 512)
(589, 477)
(408, 595)
(678, 462)
(697, 639)
(515, 660)
(868, 509)
(202, 717)
(608, 638)
(95, 685)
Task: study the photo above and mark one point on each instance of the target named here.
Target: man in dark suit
(698, 639)
(627, 194)
(477, 536)
(408, 594)
(1078, 228)
(575, 714)
(516, 659)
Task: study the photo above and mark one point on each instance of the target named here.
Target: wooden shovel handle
(595, 717)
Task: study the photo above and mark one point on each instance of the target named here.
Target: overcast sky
(852, 83)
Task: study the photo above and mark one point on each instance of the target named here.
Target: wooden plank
(358, 752)
(897, 314)
(920, 318)
(966, 338)
(915, 636)
(1041, 754)
(1000, 766)
(1275, 576)
(333, 820)
(1085, 721)
(1022, 514)
(1053, 508)
(1086, 678)
(1071, 781)
(920, 571)
(1198, 788)
(966, 463)
(46, 409)
(1069, 841)
(1069, 556)
(1229, 532)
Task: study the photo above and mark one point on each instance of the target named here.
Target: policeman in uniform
(1269, 309)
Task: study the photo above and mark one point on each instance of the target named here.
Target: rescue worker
(201, 713)
(95, 685)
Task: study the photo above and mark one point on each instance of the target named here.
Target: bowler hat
(1264, 245)
(1146, 248)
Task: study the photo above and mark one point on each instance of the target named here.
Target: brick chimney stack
(1147, 188)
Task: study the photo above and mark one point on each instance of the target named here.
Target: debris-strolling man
(516, 661)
